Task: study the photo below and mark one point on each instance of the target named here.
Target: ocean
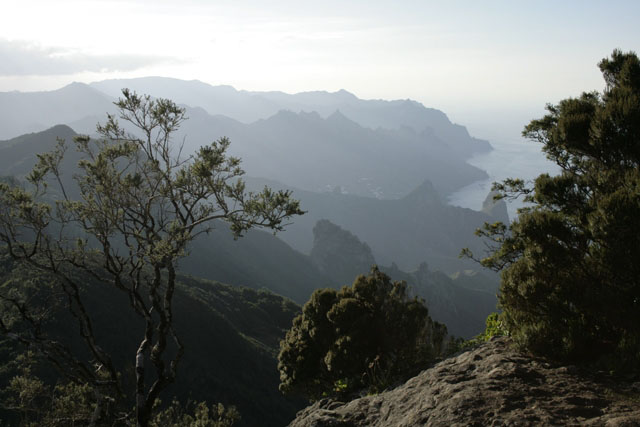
(509, 159)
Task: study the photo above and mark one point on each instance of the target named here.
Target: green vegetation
(367, 335)
(62, 405)
(340, 255)
(138, 208)
(203, 416)
(231, 336)
(570, 271)
(495, 326)
(39, 404)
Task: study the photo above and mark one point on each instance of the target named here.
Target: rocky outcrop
(496, 209)
(463, 310)
(492, 385)
(339, 254)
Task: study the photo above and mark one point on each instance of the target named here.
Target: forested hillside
(231, 335)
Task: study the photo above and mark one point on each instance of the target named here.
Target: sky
(490, 65)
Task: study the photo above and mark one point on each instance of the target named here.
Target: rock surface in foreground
(491, 385)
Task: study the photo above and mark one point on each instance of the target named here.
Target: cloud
(22, 58)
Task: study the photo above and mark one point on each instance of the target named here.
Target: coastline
(516, 158)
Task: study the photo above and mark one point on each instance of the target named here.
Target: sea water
(518, 158)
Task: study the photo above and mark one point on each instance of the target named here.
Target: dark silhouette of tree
(135, 206)
(570, 261)
(367, 335)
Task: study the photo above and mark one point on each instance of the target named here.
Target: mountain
(488, 385)
(258, 260)
(230, 334)
(248, 107)
(394, 114)
(24, 112)
(339, 254)
(250, 322)
(473, 279)
(318, 154)
(408, 231)
(18, 155)
(311, 150)
(496, 209)
(224, 100)
(462, 309)
(342, 256)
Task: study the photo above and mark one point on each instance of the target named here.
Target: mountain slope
(463, 310)
(258, 260)
(409, 231)
(317, 154)
(230, 335)
(342, 256)
(339, 254)
(24, 112)
(18, 155)
(419, 227)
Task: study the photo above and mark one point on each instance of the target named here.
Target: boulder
(491, 385)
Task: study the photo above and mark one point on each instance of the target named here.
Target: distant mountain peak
(80, 92)
(425, 192)
(497, 209)
(338, 253)
(76, 85)
(345, 94)
(61, 129)
(337, 118)
(310, 115)
(337, 115)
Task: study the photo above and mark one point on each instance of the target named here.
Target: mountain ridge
(371, 113)
(314, 151)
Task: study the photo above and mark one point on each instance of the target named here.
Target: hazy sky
(489, 65)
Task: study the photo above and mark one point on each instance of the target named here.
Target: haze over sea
(515, 158)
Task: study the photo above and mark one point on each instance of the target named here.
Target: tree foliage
(367, 335)
(69, 404)
(203, 416)
(125, 220)
(39, 404)
(570, 271)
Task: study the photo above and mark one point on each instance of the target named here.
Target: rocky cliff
(492, 385)
(496, 209)
(339, 254)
